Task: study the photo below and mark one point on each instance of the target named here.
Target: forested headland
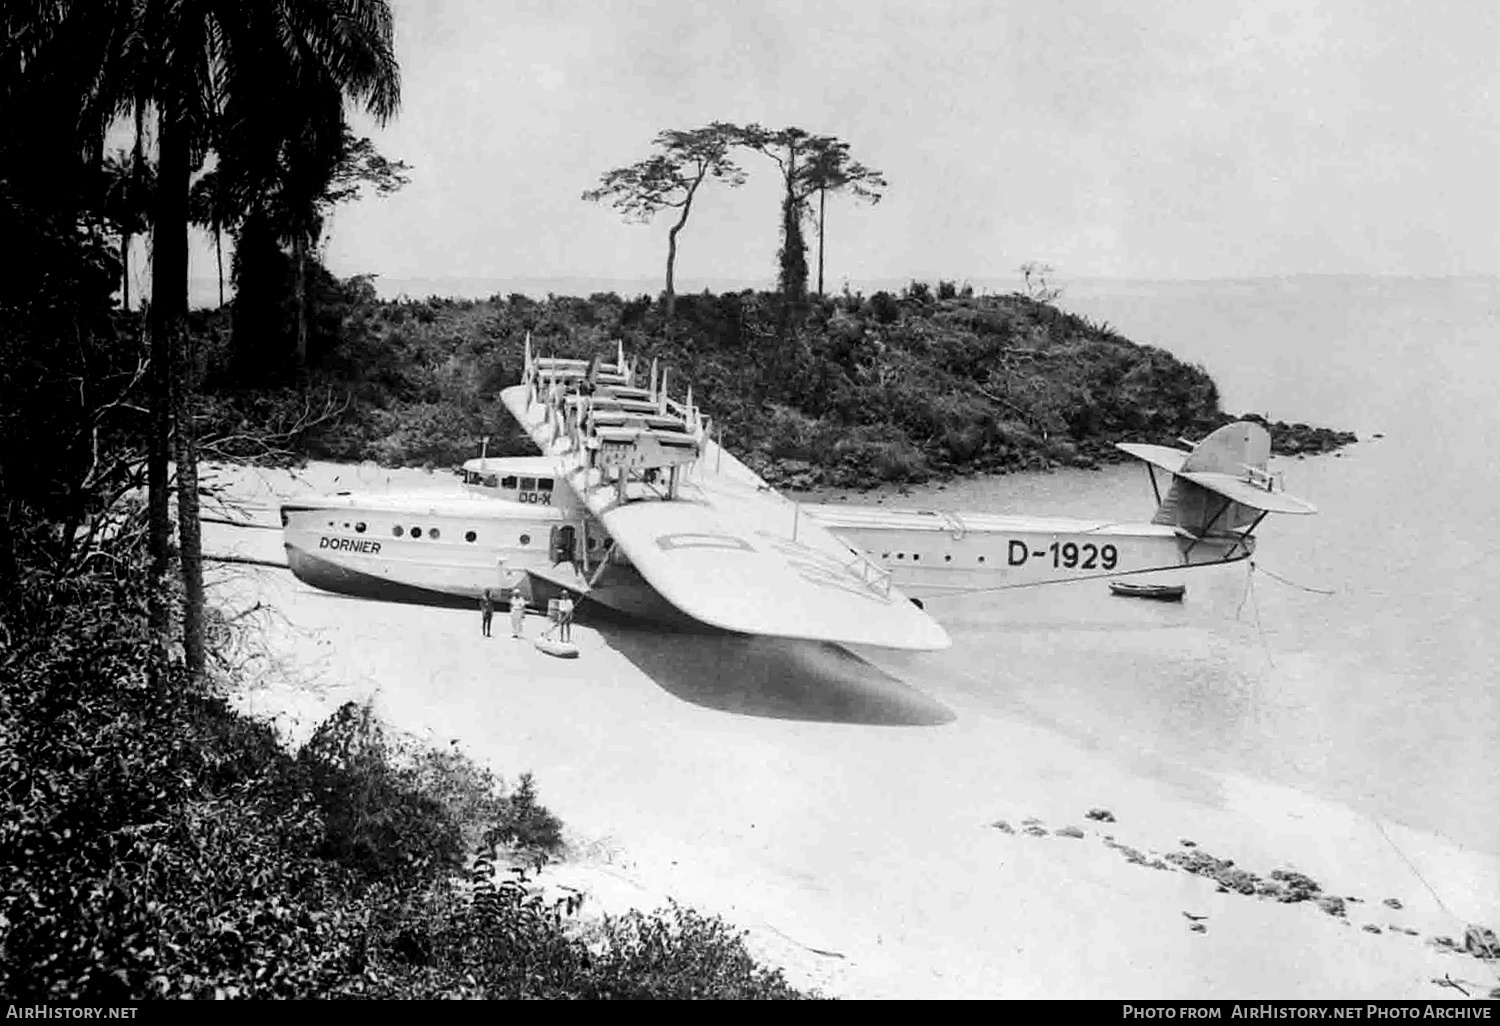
(844, 391)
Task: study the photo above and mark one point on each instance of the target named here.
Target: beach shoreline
(844, 810)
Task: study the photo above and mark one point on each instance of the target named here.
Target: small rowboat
(1160, 592)
(561, 649)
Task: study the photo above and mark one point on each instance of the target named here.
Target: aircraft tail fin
(1222, 484)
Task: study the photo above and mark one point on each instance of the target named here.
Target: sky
(1156, 139)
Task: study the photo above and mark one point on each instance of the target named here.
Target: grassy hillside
(849, 391)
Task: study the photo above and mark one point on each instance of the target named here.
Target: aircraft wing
(736, 565)
(1247, 494)
(733, 554)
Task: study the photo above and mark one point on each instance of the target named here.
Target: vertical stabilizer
(1236, 450)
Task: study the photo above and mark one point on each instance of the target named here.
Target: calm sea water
(1382, 694)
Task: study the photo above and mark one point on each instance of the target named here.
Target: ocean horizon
(203, 290)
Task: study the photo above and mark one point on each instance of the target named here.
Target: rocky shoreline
(800, 475)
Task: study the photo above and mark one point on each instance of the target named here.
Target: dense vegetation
(847, 391)
(156, 844)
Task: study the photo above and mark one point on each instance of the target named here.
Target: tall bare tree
(789, 148)
(827, 168)
(670, 178)
(809, 164)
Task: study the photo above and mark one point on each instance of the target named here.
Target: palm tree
(208, 208)
(242, 79)
(130, 181)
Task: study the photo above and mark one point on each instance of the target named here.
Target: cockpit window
(544, 484)
(507, 482)
(528, 484)
(491, 481)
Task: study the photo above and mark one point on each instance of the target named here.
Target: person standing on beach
(486, 612)
(517, 613)
(565, 617)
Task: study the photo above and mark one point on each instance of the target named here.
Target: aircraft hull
(349, 545)
(935, 553)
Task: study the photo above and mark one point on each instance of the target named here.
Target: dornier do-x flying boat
(635, 506)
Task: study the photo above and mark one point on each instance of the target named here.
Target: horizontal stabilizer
(1162, 456)
(1249, 494)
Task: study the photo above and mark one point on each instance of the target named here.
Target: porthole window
(900, 555)
(416, 532)
(397, 531)
(434, 533)
(885, 555)
(360, 527)
(947, 559)
(346, 525)
(915, 557)
(469, 536)
(981, 559)
(525, 539)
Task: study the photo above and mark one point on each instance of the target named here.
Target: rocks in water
(1295, 886)
(1187, 843)
(1069, 831)
(1370, 928)
(1445, 943)
(1332, 904)
(1034, 828)
(1003, 827)
(1391, 903)
(1480, 942)
(1220, 870)
(1134, 855)
(1100, 815)
(1198, 928)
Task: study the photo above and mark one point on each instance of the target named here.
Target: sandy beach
(878, 835)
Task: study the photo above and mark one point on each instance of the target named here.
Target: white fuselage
(937, 553)
(451, 546)
(447, 549)
(515, 525)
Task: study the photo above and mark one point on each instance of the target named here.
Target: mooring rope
(1255, 604)
(1292, 584)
